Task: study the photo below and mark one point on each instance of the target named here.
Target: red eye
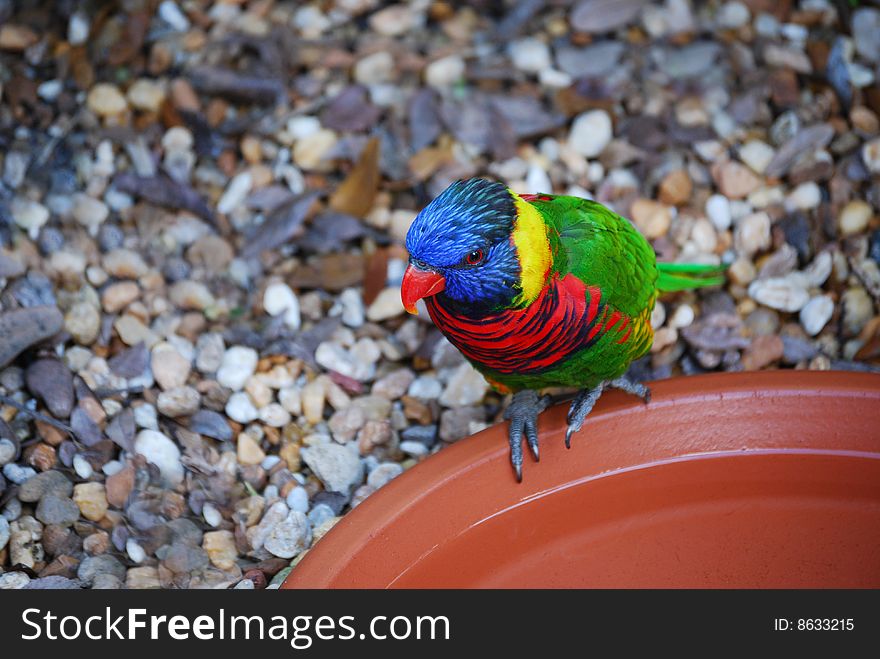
(474, 257)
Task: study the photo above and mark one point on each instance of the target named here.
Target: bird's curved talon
(580, 407)
(523, 414)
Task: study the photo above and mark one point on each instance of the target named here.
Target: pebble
(124, 264)
(29, 215)
(334, 357)
(236, 192)
(115, 297)
(530, 55)
(337, 467)
(17, 474)
(58, 510)
(854, 217)
(465, 387)
(858, 309)
(298, 499)
(7, 451)
(375, 68)
(189, 294)
(240, 409)
(762, 351)
(782, 293)
(210, 351)
(590, 133)
(652, 218)
(170, 368)
(14, 580)
(274, 415)
(239, 363)
(173, 16)
(47, 482)
(135, 551)
(816, 313)
(132, 332)
(162, 452)
(752, 233)
(91, 498)
(290, 536)
(395, 384)
(4, 532)
(147, 95)
(383, 474)
(89, 212)
(248, 450)
(278, 300)
(757, 155)
(386, 305)
(178, 401)
(734, 180)
(353, 312)
(106, 100)
(444, 72)
(425, 387)
(276, 513)
(221, 549)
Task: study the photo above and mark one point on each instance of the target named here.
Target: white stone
(274, 415)
(303, 126)
(240, 409)
(162, 452)
(537, 180)
(445, 71)
(752, 233)
(297, 499)
(757, 155)
(280, 299)
(718, 212)
(337, 466)
(816, 314)
(465, 387)
(530, 54)
(783, 293)
(386, 305)
(171, 14)
(78, 28)
(374, 68)
(352, 303)
(235, 192)
(29, 215)
(239, 363)
(806, 196)
(590, 133)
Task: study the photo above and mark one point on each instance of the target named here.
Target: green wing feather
(685, 276)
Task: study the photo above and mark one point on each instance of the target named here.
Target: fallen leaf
(356, 194)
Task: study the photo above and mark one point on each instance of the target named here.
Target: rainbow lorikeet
(539, 291)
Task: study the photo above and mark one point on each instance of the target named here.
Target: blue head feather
(469, 215)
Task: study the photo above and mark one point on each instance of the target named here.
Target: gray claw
(523, 414)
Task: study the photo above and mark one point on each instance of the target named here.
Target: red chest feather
(568, 316)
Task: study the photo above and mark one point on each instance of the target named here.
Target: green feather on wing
(686, 276)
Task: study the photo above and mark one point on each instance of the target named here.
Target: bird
(540, 291)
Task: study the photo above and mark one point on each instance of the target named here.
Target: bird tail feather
(685, 276)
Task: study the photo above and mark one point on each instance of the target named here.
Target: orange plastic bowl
(751, 480)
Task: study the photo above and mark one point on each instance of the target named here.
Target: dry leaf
(356, 194)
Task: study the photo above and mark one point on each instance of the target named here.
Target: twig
(6, 400)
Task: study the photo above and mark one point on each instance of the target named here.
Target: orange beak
(417, 284)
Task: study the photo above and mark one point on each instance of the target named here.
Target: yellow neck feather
(533, 248)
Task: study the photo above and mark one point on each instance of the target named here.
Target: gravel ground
(204, 361)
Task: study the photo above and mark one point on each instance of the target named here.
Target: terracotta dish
(751, 480)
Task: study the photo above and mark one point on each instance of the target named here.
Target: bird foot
(632, 387)
(583, 403)
(523, 414)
